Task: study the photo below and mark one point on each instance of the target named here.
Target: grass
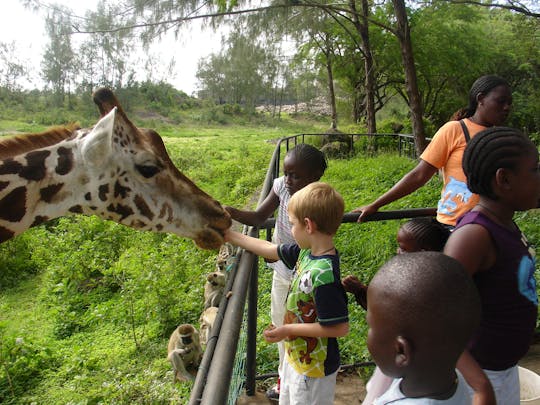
(95, 320)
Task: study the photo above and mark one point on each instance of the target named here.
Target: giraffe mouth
(211, 238)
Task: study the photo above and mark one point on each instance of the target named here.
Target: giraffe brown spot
(13, 205)
(5, 234)
(39, 220)
(10, 166)
(120, 190)
(159, 227)
(76, 209)
(123, 210)
(36, 165)
(47, 193)
(88, 196)
(103, 191)
(166, 211)
(93, 208)
(144, 209)
(3, 184)
(65, 161)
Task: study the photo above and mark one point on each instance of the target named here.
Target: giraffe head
(137, 184)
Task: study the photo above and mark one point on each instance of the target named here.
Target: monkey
(184, 351)
(213, 288)
(225, 258)
(207, 320)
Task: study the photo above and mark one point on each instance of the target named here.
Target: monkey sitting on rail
(184, 351)
(213, 288)
(207, 319)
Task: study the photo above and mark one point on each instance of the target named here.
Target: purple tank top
(508, 295)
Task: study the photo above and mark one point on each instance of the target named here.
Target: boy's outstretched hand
(273, 334)
(353, 285)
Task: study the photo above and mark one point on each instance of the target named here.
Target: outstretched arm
(412, 181)
(276, 334)
(257, 217)
(260, 247)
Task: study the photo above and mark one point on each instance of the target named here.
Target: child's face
(298, 231)
(381, 333)
(297, 175)
(406, 242)
(525, 182)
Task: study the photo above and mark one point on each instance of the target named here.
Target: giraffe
(114, 170)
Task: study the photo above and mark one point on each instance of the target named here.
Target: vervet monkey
(206, 321)
(184, 351)
(225, 257)
(213, 288)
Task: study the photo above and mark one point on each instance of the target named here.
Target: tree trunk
(331, 90)
(411, 84)
(369, 80)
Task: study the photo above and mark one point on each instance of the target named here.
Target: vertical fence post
(251, 343)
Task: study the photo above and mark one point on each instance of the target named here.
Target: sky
(27, 29)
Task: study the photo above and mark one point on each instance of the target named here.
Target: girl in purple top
(501, 165)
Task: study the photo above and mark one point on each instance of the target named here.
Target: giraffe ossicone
(114, 170)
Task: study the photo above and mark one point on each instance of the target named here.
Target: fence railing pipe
(377, 216)
(204, 367)
(251, 338)
(216, 389)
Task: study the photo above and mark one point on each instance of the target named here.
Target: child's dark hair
(492, 149)
(310, 156)
(482, 85)
(429, 233)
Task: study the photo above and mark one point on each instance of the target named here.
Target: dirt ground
(350, 389)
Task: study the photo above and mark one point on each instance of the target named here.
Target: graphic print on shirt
(307, 354)
(454, 191)
(525, 274)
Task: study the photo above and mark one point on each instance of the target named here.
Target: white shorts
(505, 384)
(297, 389)
(280, 289)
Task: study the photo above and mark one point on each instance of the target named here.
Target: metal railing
(211, 386)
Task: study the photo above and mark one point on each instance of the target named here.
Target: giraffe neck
(41, 185)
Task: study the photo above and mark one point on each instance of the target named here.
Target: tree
(12, 69)
(58, 67)
(415, 103)
(241, 73)
(106, 54)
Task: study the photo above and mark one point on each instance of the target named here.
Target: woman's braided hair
(492, 149)
(482, 85)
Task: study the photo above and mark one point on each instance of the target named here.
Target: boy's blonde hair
(321, 203)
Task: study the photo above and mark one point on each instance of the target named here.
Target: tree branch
(513, 6)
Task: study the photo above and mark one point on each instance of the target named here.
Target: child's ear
(403, 350)
(310, 225)
(502, 179)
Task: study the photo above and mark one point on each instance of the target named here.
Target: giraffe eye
(147, 171)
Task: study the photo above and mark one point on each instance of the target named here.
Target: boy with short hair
(422, 309)
(317, 304)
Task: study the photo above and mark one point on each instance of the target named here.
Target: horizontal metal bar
(377, 216)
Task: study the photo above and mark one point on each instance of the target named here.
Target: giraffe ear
(97, 145)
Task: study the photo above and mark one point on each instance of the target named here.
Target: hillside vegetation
(88, 305)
